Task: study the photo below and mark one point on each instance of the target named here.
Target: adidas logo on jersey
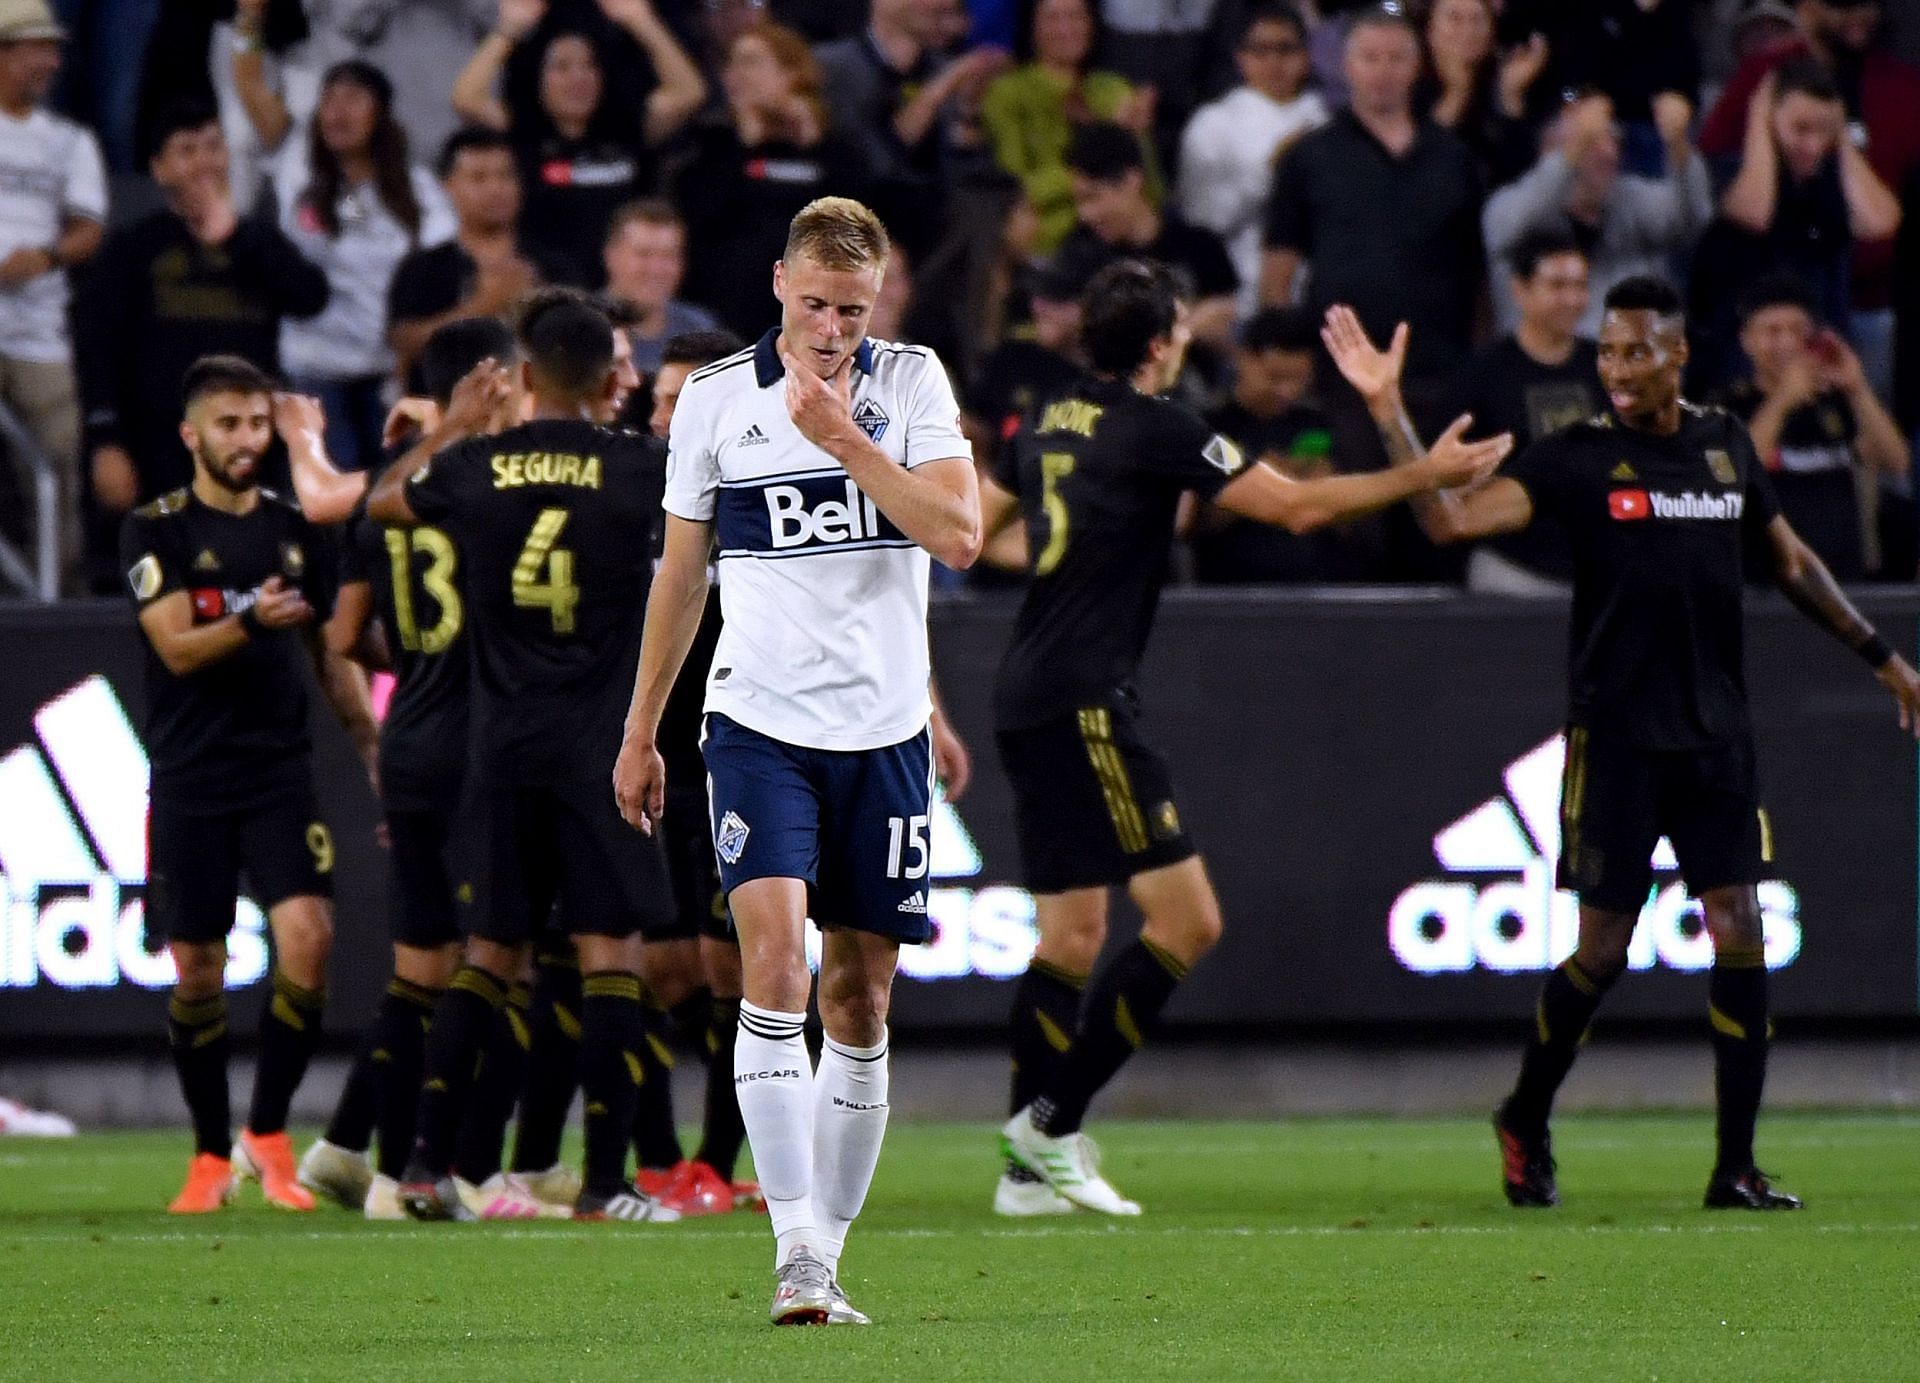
(730, 841)
(1498, 909)
(917, 904)
(71, 911)
(753, 437)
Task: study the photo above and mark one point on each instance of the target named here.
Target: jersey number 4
(1055, 466)
(556, 594)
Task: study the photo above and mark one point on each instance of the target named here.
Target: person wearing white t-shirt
(266, 73)
(1229, 148)
(828, 467)
(53, 206)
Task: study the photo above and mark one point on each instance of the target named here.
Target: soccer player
(1098, 477)
(549, 518)
(829, 466)
(1668, 511)
(228, 580)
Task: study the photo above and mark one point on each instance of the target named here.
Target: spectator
(485, 269)
(1165, 47)
(100, 87)
(1470, 89)
(680, 358)
(1802, 196)
(435, 36)
(1270, 418)
(747, 177)
(1116, 219)
(1032, 112)
(646, 261)
(353, 204)
(584, 134)
(1882, 98)
(1033, 363)
(891, 95)
(1228, 150)
(1813, 418)
(53, 204)
(1626, 224)
(983, 266)
(188, 280)
(1383, 206)
(1537, 379)
(266, 83)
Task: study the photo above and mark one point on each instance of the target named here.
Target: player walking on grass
(1668, 511)
(1098, 477)
(228, 580)
(550, 519)
(829, 467)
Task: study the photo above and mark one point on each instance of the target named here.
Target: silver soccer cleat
(843, 1312)
(805, 1294)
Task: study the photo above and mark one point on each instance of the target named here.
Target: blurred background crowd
(318, 186)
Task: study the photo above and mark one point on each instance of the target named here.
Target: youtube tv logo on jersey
(1625, 506)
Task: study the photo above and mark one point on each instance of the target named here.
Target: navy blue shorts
(852, 823)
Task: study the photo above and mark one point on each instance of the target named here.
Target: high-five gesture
(1374, 373)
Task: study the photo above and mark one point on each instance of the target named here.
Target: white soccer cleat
(18, 1121)
(383, 1199)
(500, 1197)
(804, 1292)
(339, 1174)
(558, 1186)
(1022, 1200)
(629, 1207)
(842, 1311)
(1070, 1164)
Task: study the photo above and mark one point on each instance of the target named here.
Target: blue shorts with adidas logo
(852, 823)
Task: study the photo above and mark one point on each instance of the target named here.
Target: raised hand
(299, 419)
(1519, 70)
(516, 18)
(478, 395)
(1672, 117)
(412, 416)
(1374, 373)
(1453, 461)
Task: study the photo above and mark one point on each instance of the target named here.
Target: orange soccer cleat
(696, 1189)
(652, 1181)
(269, 1156)
(747, 1195)
(209, 1187)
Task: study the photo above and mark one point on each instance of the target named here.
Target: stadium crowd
(316, 187)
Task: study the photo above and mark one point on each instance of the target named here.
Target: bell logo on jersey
(1628, 505)
(801, 516)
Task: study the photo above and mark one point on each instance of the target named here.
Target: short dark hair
(469, 139)
(1644, 293)
(1537, 246)
(1128, 306)
(178, 116)
(1291, 328)
(645, 211)
(620, 312)
(1808, 76)
(457, 346)
(567, 339)
(697, 348)
(221, 374)
(1269, 12)
(1778, 290)
(1105, 152)
(1386, 15)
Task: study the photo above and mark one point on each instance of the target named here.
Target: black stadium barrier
(1372, 776)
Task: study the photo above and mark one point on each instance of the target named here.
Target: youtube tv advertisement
(1373, 780)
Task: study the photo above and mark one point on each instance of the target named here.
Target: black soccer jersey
(415, 576)
(555, 525)
(232, 734)
(1662, 530)
(1099, 474)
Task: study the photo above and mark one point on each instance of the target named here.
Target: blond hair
(838, 233)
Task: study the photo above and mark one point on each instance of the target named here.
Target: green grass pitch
(1325, 1249)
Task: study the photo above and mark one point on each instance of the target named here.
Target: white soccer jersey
(825, 601)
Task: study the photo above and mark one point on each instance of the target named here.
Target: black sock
(553, 1064)
(197, 1032)
(655, 1141)
(401, 1030)
(692, 1017)
(496, 1090)
(289, 1036)
(1123, 1008)
(1568, 1001)
(723, 1132)
(610, 1033)
(1737, 995)
(1046, 1013)
(353, 1117)
(461, 1022)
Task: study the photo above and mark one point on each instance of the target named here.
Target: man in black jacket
(189, 280)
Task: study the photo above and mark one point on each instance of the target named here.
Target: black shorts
(1092, 802)
(420, 880)
(195, 861)
(699, 902)
(536, 846)
(1618, 799)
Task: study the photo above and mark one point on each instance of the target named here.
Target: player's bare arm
(478, 396)
(674, 607)
(185, 647)
(1805, 580)
(352, 632)
(344, 684)
(936, 504)
(1499, 506)
(1003, 540)
(951, 761)
(326, 495)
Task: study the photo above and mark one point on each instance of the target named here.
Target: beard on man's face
(235, 470)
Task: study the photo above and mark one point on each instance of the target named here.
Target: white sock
(849, 1124)
(774, 1080)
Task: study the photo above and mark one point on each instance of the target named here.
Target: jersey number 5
(1055, 466)
(557, 594)
(436, 581)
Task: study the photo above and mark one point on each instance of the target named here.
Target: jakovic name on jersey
(791, 516)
